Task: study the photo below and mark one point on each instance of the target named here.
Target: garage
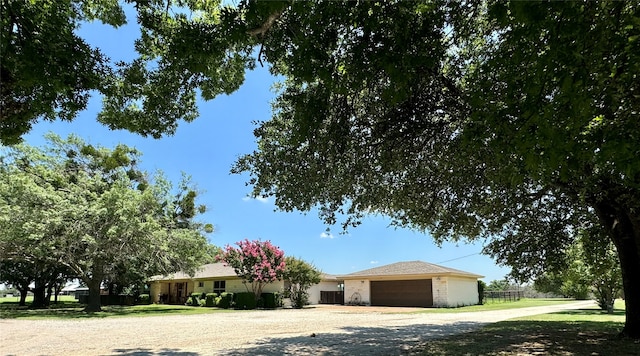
(411, 283)
(402, 293)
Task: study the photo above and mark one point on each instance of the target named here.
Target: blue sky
(206, 150)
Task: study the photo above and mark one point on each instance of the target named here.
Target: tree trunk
(23, 295)
(39, 299)
(624, 229)
(49, 292)
(56, 292)
(93, 304)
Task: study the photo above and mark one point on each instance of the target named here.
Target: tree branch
(260, 31)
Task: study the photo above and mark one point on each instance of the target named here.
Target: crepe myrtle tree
(257, 262)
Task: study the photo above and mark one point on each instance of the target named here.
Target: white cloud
(260, 199)
(374, 262)
(326, 235)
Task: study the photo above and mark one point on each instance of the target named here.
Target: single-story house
(210, 278)
(219, 278)
(411, 284)
(415, 283)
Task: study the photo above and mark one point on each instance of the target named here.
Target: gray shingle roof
(328, 277)
(409, 268)
(212, 270)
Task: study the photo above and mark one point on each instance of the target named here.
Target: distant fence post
(494, 296)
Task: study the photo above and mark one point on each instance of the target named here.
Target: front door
(180, 293)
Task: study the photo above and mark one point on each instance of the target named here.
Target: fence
(331, 297)
(496, 296)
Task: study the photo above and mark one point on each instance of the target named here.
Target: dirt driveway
(321, 330)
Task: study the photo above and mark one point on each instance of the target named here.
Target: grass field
(522, 303)
(572, 332)
(69, 308)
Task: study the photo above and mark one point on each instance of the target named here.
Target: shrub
(226, 300)
(299, 298)
(195, 299)
(144, 299)
(203, 295)
(246, 300)
(481, 287)
(202, 302)
(120, 299)
(210, 299)
(270, 300)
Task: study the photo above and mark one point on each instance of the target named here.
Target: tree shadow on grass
(536, 337)
(149, 352)
(393, 340)
(590, 312)
(76, 311)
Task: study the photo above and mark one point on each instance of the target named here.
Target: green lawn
(69, 308)
(571, 332)
(522, 303)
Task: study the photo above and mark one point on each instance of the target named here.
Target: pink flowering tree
(256, 262)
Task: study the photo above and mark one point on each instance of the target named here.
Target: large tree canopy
(515, 122)
(89, 209)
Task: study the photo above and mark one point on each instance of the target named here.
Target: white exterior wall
(440, 290)
(236, 286)
(462, 291)
(277, 286)
(207, 288)
(361, 286)
(231, 285)
(154, 291)
(326, 286)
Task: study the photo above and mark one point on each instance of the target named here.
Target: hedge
(210, 299)
(144, 299)
(110, 299)
(245, 300)
(195, 299)
(270, 300)
(225, 300)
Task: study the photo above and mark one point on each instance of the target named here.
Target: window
(200, 284)
(219, 287)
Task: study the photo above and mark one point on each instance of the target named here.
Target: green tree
(591, 267)
(300, 276)
(18, 275)
(498, 285)
(512, 121)
(515, 122)
(90, 209)
(576, 279)
(549, 282)
(47, 71)
(601, 258)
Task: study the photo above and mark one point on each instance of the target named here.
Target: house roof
(211, 270)
(71, 288)
(409, 268)
(328, 277)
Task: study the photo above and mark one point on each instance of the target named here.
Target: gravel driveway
(320, 330)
